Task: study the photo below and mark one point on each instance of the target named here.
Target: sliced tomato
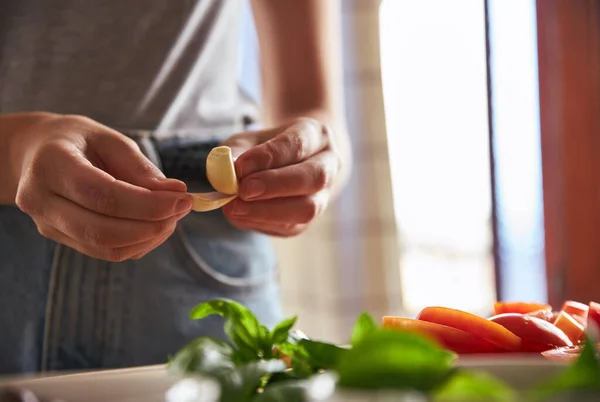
(566, 354)
(546, 315)
(458, 341)
(570, 326)
(537, 335)
(594, 314)
(473, 324)
(519, 307)
(575, 308)
(580, 320)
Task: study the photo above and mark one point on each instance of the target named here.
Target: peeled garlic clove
(220, 170)
(202, 202)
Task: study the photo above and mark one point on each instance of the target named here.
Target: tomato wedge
(458, 341)
(570, 326)
(546, 315)
(519, 307)
(594, 314)
(575, 308)
(473, 324)
(537, 335)
(566, 354)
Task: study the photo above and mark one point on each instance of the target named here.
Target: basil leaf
(321, 355)
(363, 327)
(266, 344)
(244, 355)
(281, 331)
(389, 359)
(582, 377)
(288, 348)
(465, 386)
(242, 383)
(203, 355)
(302, 368)
(221, 307)
(241, 325)
(285, 392)
(245, 342)
(284, 376)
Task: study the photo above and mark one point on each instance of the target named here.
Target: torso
(164, 66)
(168, 67)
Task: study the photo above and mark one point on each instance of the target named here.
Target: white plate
(150, 383)
(520, 371)
(143, 384)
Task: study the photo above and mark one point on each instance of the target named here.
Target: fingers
(98, 231)
(121, 157)
(150, 246)
(116, 254)
(306, 178)
(295, 144)
(240, 143)
(282, 211)
(284, 179)
(277, 230)
(76, 179)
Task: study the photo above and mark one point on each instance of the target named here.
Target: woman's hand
(286, 177)
(91, 188)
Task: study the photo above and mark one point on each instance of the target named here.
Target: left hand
(286, 176)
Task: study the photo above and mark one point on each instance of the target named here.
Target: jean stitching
(46, 344)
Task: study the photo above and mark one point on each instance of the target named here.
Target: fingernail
(240, 208)
(173, 184)
(183, 205)
(154, 171)
(254, 188)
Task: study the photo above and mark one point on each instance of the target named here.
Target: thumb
(241, 143)
(122, 158)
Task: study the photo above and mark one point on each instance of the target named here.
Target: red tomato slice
(566, 354)
(570, 326)
(581, 321)
(546, 315)
(519, 307)
(473, 324)
(575, 309)
(537, 335)
(594, 314)
(458, 341)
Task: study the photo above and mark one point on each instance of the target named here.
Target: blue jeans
(61, 310)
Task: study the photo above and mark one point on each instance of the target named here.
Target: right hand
(91, 188)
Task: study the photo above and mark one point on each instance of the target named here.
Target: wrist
(341, 142)
(17, 136)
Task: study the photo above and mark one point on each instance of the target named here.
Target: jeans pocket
(233, 258)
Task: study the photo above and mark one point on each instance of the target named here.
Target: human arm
(303, 158)
(301, 67)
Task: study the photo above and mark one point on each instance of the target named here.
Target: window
(434, 67)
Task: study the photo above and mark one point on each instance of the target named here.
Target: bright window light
(435, 92)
